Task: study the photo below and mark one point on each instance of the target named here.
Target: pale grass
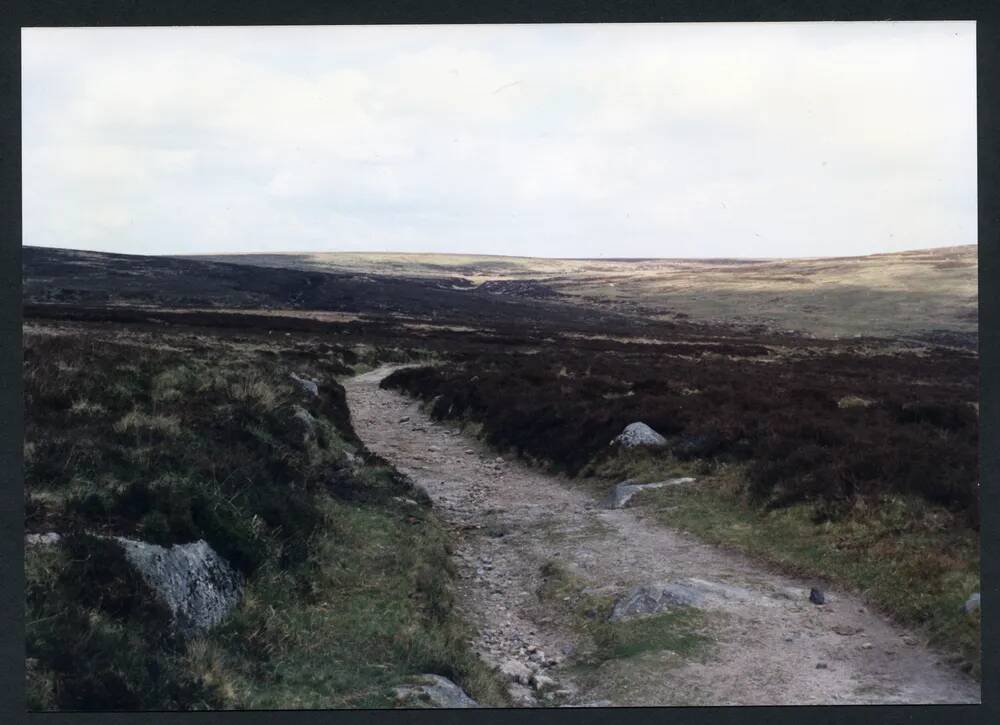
(82, 406)
(137, 421)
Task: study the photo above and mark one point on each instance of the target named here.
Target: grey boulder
(655, 598)
(196, 584)
(638, 434)
(309, 386)
(432, 691)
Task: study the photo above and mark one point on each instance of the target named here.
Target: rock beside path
(432, 691)
(654, 598)
(625, 490)
(197, 585)
(309, 386)
(638, 434)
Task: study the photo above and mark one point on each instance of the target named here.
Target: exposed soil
(774, 648)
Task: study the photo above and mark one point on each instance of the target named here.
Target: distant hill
(79, 278)
(897, 294)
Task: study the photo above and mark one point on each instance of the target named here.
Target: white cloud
(576, 140)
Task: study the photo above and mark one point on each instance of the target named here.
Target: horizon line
(504, 256)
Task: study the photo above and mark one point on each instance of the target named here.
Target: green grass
(680, 631)
(911, 560)
(378, 608)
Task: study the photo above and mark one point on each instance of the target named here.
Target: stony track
(771, 646)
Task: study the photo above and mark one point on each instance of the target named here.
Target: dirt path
(772, 646)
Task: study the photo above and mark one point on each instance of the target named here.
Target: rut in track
(767, 649)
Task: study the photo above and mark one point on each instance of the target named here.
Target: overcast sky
(687, 140)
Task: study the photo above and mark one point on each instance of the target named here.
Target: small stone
(821, 666)
(517, 671)
(469, 451)
(405, 419)
(909, 640)
(309, 386)
(521, 695)
(42, 539)
(433, 691)
(866, 645)
(971, 604)
(816, 596)
(542, 682)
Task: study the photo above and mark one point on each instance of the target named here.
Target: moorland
(827, 408)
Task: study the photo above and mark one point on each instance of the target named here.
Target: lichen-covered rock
(655, 598)
(432, 691)
(196, 584)
(309, 386)
(638, 434)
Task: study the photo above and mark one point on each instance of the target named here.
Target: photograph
(546, 365)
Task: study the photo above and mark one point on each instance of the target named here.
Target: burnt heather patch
(790, 420)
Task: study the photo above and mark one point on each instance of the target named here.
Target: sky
(602, 140)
